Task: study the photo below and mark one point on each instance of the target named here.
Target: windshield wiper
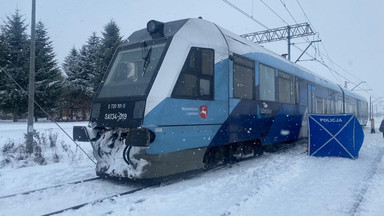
(147, 57)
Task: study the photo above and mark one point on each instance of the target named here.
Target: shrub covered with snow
(47, 148)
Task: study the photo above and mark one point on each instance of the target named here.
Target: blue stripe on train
(247, 121)
(276, 123)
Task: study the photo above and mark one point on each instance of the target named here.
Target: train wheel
(215, 156)
(258, 148)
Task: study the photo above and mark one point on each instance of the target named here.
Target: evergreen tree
(90, 64)
(109, 42)
(85, 68)
(14, 59)
(74, 93)
(3, 76)
(71, 63)
(48, 78)
(3, 55)
(81, 68)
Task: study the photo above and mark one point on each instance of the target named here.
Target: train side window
(311, 98)
(320, 105)
(243, 77)
(339, 104)
(207, 61)
(295, 90)
(267, 82)
(284, 85)
(196, 78)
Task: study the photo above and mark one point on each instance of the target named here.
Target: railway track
(72, 195)
(148, 185)
(50, 187)
(98, 200)
(171, 180)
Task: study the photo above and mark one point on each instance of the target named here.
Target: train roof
(170, 29)
(240, 45)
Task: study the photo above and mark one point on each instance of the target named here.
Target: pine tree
(2, 63)
(71, 63)
(14, 59)
(110, 41)
(48, 78)
(90, 63)
(71, 92)
(81, 68)
(76, 93)
(85, 68)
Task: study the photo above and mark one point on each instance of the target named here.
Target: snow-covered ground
(287, 182)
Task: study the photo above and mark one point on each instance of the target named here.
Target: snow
(111, 161)
(286, 182)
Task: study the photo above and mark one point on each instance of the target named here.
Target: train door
(242, 104)
(308, 99)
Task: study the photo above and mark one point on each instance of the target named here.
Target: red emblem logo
(203, 112)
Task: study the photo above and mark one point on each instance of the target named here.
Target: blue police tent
(335, 135)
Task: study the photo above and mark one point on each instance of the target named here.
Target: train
(188, 94)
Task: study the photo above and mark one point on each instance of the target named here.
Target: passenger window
(205, 87)
(296, 90)
(196, 78)
(207, 62)
(186, 85)
(243, 77)
(320, 105)
(284, 87)
(267, 83)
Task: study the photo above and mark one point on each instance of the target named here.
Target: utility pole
(31, 88)
(371, 115)
(370, 107)
(371, 119)
(289, 42)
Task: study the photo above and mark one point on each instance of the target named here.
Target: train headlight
(155, 29)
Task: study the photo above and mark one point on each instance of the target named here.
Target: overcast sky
(351, 30)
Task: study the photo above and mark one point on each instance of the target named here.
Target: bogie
(233, 152)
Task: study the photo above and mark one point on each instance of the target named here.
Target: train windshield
(132, 71)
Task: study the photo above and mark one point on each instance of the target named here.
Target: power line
(245, 14)
(321, 62)
(322, 43)
(285, 6)
(331, 69)
(326, 52)
(274, 12)
(321, 54)
(304, 13)
(306, 38)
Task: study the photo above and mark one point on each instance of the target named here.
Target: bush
(47, 148)
(44, 151)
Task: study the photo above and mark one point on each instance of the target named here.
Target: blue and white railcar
(183, 95)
